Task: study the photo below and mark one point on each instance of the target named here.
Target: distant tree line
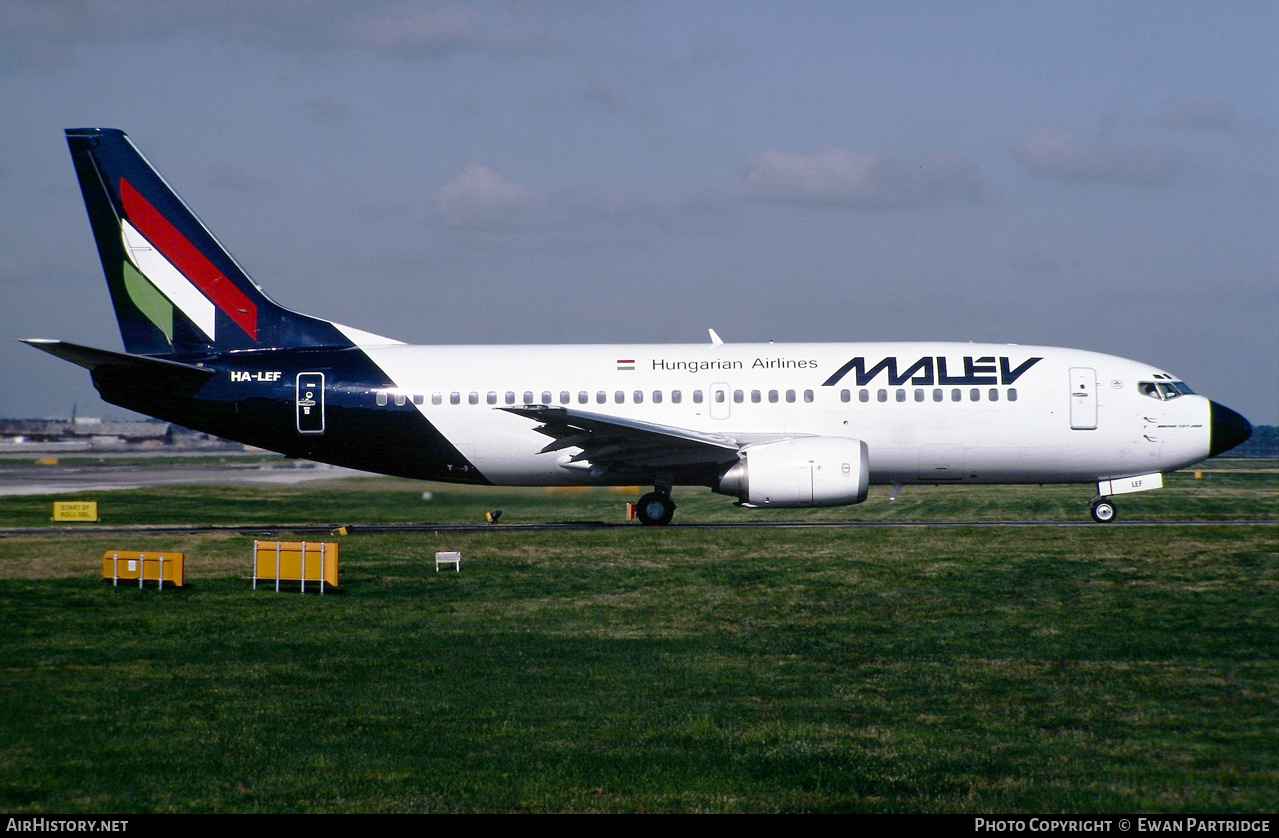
(1264, 442)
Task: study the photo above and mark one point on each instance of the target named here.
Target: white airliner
(774, 425)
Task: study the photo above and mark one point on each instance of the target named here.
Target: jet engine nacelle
(808, 471)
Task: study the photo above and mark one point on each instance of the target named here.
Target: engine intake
(807, 471)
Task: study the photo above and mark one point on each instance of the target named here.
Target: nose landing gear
(1103, 511)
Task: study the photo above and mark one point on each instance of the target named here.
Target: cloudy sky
(1092, 174)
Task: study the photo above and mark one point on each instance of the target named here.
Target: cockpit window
(1164, 390)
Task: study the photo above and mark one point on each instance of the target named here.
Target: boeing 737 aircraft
(774, 425)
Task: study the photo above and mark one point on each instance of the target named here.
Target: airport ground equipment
(296, 561)
(445, 557)
(151, 566)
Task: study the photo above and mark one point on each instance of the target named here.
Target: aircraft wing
(611, 440)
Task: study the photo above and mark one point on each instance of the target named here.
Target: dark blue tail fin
(175, 289)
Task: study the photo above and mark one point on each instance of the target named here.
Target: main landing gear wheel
(656, 509)
(1103, 512)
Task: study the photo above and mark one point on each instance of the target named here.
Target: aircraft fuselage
(929, 413)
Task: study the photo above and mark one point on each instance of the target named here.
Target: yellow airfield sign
(75, 510)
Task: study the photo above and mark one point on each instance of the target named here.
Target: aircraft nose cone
(1228, 429)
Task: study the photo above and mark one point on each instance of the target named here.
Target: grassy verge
(636, 670)
(1226, 490)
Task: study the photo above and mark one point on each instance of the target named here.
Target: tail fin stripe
(150, 300)
(168, 279)
(188, 259)
(186, 284)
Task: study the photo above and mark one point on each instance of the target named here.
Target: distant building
(84, 432)
(89, 430)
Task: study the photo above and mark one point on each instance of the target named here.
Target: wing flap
(616, 441)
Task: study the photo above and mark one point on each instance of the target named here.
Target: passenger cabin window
(657, 397)
(790, 396)
(601, 397)
(697, 397)
(564, 397)
(773, 396)
(638, 397)
(863, 395)
(455, 397)
(1012, 394)
(473, 398)
(380, 398)
(677, 396)
(756, 396)
(583, 397)
(400, 399)
(510, 397)
(845, 395)
(492, 397)
(808, 396)
(739, 396)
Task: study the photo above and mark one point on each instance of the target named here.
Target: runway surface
(568, 526)
(56, 480)
(49, 480)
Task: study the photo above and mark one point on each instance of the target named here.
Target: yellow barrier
(296, 561)
(145, 567)
(75, 510)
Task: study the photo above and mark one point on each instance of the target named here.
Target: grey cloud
(846, 177)
(325, 110)
(485, 210)
(234, 179)
(603, 93)
(481, 200)
(45, 32)
(433, 28)
(1198, 112)
(1054, 153)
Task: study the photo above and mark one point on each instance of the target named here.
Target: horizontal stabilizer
(92, 359)
(131, 381)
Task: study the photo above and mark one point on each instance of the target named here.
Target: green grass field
(1041, 669)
